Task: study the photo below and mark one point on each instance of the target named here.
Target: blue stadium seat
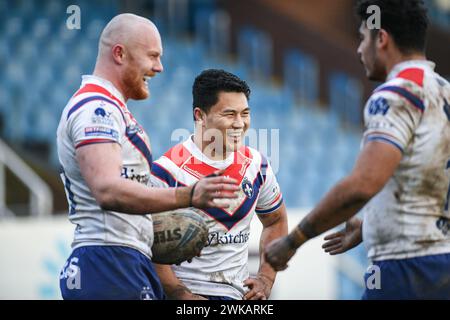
(27, 52)
(14, 27)
(41, 29)
(55, 52)
(15, 73)
(255, 51)
(95, 28)
(54, 9)
(301, 76)
(346, 98)
(212, 30)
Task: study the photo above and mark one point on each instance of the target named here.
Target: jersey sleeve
(97, 122)
(270, 198)
(392, 115)
(161, 177)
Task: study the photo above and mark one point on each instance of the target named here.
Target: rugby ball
(179, 235)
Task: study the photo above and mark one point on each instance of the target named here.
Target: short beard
(378, 72)
(132, 81)
(133, 85)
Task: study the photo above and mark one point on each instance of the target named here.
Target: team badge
(247, 188)
(102, 117)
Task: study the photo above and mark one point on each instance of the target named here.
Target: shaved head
(129, 54)
(125, 29)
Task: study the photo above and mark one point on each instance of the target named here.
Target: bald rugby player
(106, 159)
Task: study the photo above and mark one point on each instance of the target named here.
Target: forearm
(340, 204)
(173, 287)
(270, 233)
(128, 196)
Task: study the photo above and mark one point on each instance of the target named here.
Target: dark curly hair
(210, 83)
(405, 20)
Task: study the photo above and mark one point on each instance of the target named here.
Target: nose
(238, 122)
(359, 51)
(158, 67)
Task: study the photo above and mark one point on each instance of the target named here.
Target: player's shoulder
(94, 106)
(407, 85)
(175, 156)
(407, 81)
(168, 166)
(257, 157)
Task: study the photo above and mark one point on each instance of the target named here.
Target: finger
(333, 235)
(335, 252)
(334, 247)
(222, 187)
(219, 172)
(220, 205)
(337, 247)
(221, 179)
(249, 295)
(249, 282)
(331, 243)
(229, 187)
(258, 296)
(224, 195)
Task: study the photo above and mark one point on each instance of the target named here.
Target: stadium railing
(41, 197)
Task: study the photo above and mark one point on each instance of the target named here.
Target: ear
(199, 115)
(383, 38)
(118, 53)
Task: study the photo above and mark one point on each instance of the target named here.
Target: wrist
(183, 197)
(296, 238)
(266, 278)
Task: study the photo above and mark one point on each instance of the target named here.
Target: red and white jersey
(97, 113)
(222, 266)
(409, 217)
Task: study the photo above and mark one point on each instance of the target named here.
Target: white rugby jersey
(222, 266)
(409, 217)
(97, 113)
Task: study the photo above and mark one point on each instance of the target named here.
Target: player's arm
(374, 166)
(275, 225)
(174, 287)
(101, 165)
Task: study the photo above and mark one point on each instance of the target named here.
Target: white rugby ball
(179, 235)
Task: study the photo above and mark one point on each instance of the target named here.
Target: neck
(403, 58)
(108, 74)
(209, 148)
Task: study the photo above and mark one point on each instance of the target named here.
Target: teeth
(235, 135)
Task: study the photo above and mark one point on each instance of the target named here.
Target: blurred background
(299, 58)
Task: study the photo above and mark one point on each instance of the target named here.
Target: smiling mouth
(235, 136)
(146, 79)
